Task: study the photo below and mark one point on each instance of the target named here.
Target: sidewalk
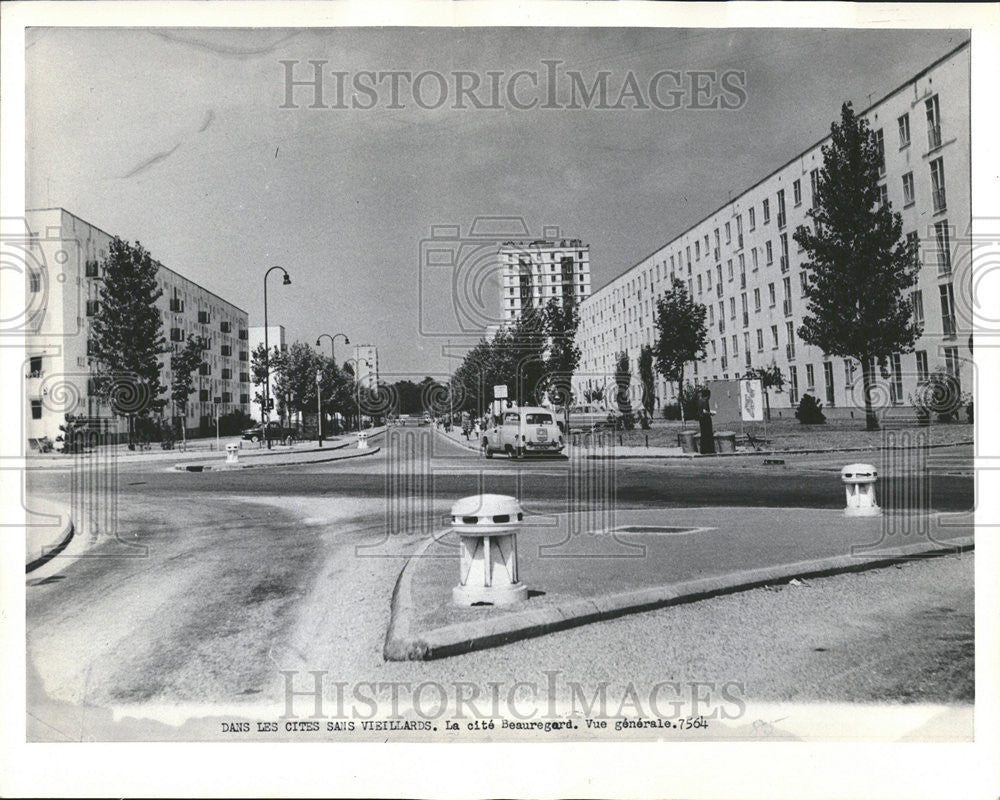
(48, 532)
(578, 570)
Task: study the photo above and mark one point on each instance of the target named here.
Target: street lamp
(332, 339)
(319, 410)
(265, 414)
(357, 385)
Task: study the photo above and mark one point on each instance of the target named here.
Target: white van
(522, 431)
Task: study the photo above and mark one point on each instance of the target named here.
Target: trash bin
(725, 442)
(487, 526)
(688, 441)
(232, 453)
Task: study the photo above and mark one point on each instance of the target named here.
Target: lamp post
(357, 385)
(319, 410)
(332, 339)
(265, 413)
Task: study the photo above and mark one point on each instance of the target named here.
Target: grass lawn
(790, 434)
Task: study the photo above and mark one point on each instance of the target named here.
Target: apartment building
(533, 273)
(275, 338)
(742, 263)
(365, 365)
(64, 256)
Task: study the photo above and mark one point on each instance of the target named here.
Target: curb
(692, 456)
(232, 467)
(53, 550)
(465, 637)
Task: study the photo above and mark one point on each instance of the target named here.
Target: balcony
(739, 242)
(205, 369)
(944, 264)
(746, 319)
(204, 318)
(784, 263)
(227, 397)
(244, 334)
(227, 374)
(244, 355)
(786, 305)
(225, 326)
(176, 335)
(718, 290)
(940, 203)
(948, 323)
(176, 305)
(933, 137)
(203, 395)
(723, 362)
(244, 377)
(781, 220)
(790, 352)
(722, 326)
(743, 280)
(226, 350)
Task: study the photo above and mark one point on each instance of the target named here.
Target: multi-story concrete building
(275, 338)
(65, 258)
(532, 273)
(742, 263)
(365, 365)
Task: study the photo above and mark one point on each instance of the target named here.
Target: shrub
(809, 411)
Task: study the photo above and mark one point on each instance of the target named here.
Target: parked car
(274, 430)
(522, 431)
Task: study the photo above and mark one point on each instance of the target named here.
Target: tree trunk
(680, 395)
(868, 374)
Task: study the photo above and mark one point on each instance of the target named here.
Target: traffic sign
(500, 392)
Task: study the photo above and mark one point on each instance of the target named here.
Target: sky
(178, 138)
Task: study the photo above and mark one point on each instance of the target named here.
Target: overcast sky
(177, 138)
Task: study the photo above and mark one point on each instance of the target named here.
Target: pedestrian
(705, 418)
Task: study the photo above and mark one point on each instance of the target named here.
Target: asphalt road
(217, 582)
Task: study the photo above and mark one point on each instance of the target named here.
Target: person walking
(705, 418)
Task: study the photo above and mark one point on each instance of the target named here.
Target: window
(803, 283)
(810, 378)
(896, 380)
(943, 247)
(753, 218)
(732, 308)
(914, 242)
(754, 255)
(883, 195)
(768, 252)
(760, 340)
(828, 380)
(756, 299)
(697, 251)
(814, 186)
(699, 283)
(904, 131)
(933, 122)
(937, 185)
(36, 409)
(848, 372)
(781, 208)
(951, 363)
(947, 296)
(880, 147)
(746, 315)
(797, 192)
(784, 252)
(770, 289)
(908, 195)
(917, 302)
(35, 367)
(746, 348)
(774, 337)
(793, 386)
(767, 211)
(743, 272)
(34, 281)
(729, 233)
(729, 268)
(739, 232)
(922, 371)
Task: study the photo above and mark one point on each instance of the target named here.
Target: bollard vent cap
(859, 473)
(486, 509)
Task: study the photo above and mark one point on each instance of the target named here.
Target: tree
(295, 384)
(182, 367)
(770, 378)
(861, 266)
(562, 356)
(681, 334)
(623, 380)
(127, 334)
(646, 378)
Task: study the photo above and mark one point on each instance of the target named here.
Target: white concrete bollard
(362, 440)
(859, 484)
(232, 453)
(487, 526)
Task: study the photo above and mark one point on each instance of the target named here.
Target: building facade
(275, 338)
(533, 273)
(65, 256)
(365, 364)
(743, 265)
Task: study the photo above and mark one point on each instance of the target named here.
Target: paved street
(218, 580)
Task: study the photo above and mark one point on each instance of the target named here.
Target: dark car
(274, 431)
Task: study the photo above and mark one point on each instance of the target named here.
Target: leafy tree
(770, 378)
(127, 334)
(182, 367)
(295, 384)
(562, 356)
(810, 411)
(861, 266)
(594, 395)
(646, 378)
(623, 380)
(681, 334)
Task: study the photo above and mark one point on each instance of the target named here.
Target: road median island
(579, 572)
(49, 530)
(267, 459)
